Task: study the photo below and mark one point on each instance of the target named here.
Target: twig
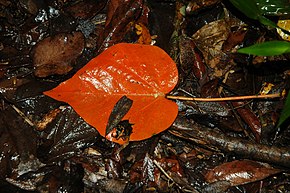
(170, 178)
(185, 129)
(23, 116)
(163, 171)
(276, 95)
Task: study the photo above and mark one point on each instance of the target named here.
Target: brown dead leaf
(112, 7)
(85, 9)
(240, 172)
(55, 54)
(197, 5)
(210, 39)
(66, 138)
(115, 28)
(17, 145)
(234, 38)
(250, 118)
(147, 172)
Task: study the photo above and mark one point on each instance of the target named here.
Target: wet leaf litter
(173, 145)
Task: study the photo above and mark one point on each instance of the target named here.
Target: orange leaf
(141, 72)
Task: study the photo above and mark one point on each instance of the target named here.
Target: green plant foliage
(270, 48)
(248, 7)
(265, 21)
(285, 112)
(274, 7)
(255, 9)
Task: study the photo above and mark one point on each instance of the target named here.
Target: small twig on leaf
(276, 95)
(23, 116)
(162, 170)
(171, 179)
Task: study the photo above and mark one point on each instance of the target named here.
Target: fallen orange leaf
(143, 73)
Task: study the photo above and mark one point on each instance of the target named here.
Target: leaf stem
(276, 95)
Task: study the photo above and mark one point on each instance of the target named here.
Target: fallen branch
(234, 98)
(209, 137)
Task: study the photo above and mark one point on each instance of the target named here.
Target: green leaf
(182, 10)
(267, 48)
(274, 7)
(267, 22)
(285, 112)
(248, 7)
(255, 9)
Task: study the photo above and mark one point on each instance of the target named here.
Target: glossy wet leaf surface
(256, 10)
(270, 48)
(65, 138)
(19, 143)
(142, 73)
(240, 172)
(274, 7)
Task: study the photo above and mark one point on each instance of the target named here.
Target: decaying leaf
(111, 8)
(123, 14)
(65, 137)
(41, 125)
(55, 55)
(240, 172)
(143, 170)
(196, 5)
(150, 175)
(210, 38)
(18, 145)
(234, 39)
(250, 118)
(143, 73)
(85, 9)
(190, 60)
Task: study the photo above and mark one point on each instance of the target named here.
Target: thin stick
(276, 95)
(170, 178)
(23, 116)
(163, 171)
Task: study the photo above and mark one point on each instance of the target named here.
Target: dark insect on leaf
(119, 111)
(122, 130)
